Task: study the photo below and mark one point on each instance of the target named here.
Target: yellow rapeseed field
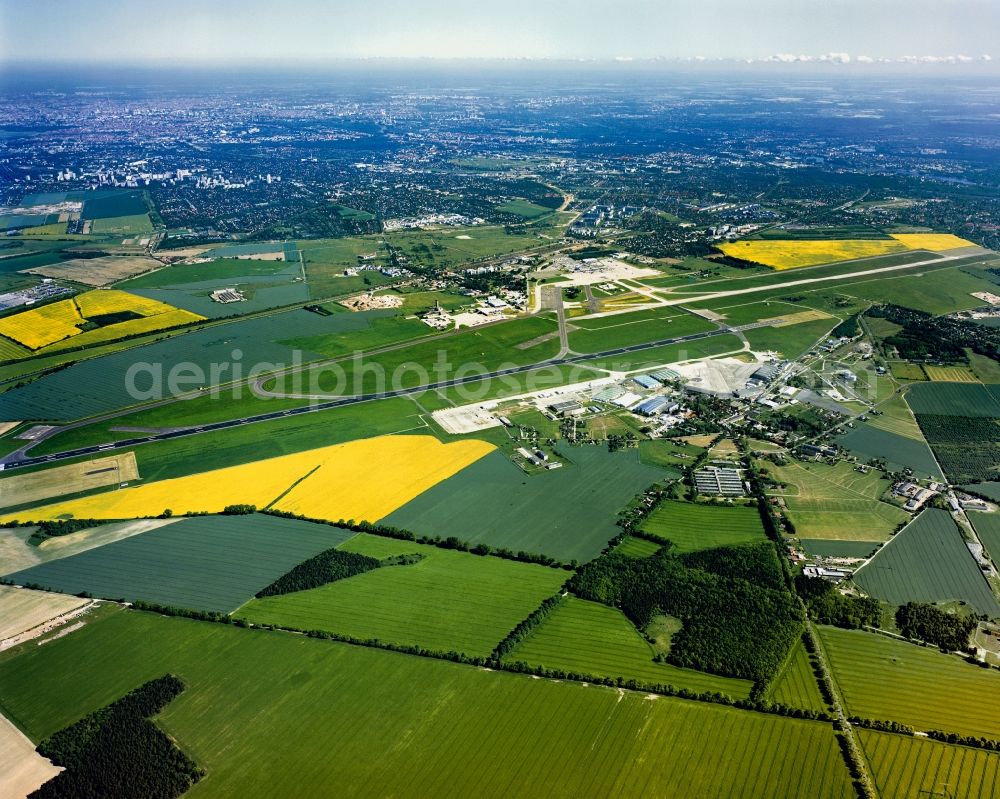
(369, 479)
(364, 479)
(38, 327)
(935, 242)
(148, 324)
(55, 325)
(795, 253)
(105, 301)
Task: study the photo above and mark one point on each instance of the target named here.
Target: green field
(639, 327)
(792, 340)
(933, 288)
(591, 639)
(466, 353)
(100, 384)
(915, 768)
(219, 269)
(988, 529)
(835, 502)
(770, 278)
(880, 678)
(637, 547)
(524, 208)
(795, 685)
(868, 442)
(691, 527)
(896, 417)
(568, 513)
(177, 457)
(990, 490)
(904, 370)
(838, 548)
(381, 331)
(264, 711)
(928, 561)
(129, 225)
(669, 453)
(204, 563)
(671, 353)
(953, 399)
(11, 350)
(449, 601)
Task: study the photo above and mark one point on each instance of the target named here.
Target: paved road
(17, 462)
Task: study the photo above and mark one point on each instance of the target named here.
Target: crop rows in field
(928, 561)
(968, 447)
(914, 768)
(988, 529)
(205, 563)
(796, 685)
(591, 639)
(881, 678)
(692, 527)
(377, 723)
(448, 601)
(953, 399)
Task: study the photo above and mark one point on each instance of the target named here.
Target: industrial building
(656, 405)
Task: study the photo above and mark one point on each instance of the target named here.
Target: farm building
(719, 481)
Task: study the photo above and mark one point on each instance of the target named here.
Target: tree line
(118, 753)
(328, 567)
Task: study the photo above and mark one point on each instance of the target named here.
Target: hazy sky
(289, 30)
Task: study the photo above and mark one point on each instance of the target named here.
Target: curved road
(352, 400)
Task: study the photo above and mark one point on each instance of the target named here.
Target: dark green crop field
(204, 563)
(928, 561)
(898, 451)
(988, 529)
(567, 513)
(953, 399)
(263, 711)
